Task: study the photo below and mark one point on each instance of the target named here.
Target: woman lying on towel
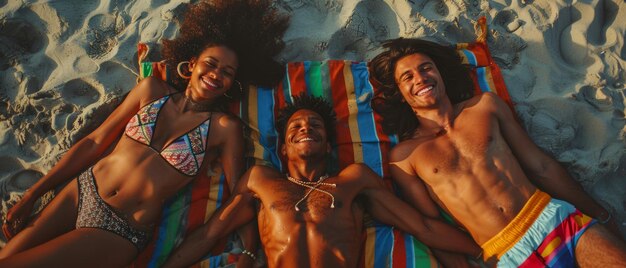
(153, 144)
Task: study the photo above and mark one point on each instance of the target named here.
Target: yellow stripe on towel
(370, 247)
(353, 110)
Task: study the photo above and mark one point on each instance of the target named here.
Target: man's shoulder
(264, 169)
(486, 102)
(358, 172)
(403, 149)
(483, 100)
(356, 167)
(260, 172)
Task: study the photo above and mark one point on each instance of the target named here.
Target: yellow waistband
(508, 237)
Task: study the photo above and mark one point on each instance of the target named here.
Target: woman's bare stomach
(135, 181)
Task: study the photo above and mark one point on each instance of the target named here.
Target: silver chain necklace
(313, 186)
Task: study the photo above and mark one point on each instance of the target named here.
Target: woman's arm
(233, 165)
(82, 154)
(238, 211)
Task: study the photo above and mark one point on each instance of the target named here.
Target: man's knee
(597, 247)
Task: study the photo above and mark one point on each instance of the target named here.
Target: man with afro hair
(306, 216)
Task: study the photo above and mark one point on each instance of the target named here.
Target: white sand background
(64, 65)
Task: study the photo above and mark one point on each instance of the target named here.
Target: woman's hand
(18, 216)
(246, 261)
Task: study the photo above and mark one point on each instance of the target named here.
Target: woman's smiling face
(213, 72)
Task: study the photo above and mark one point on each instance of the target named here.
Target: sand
(64, 65)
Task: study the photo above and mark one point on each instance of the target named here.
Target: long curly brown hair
(388, 102)
(253, 29)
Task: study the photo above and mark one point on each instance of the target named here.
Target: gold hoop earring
(180, 72)
(240, 90)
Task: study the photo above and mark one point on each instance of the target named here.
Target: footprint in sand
(80, 93)
(439, 9)
(596, 98)
(8, 165)
(124, 79)
(22, 34)
(363, 32)
(508, 20)
(23, 42)
(551, 131)
(588, 27)
(18, 38)
(542, 15)
(72, 15)
(20, 180)
(505, 45)
(24, 179)
(63, 117)
(102, 34)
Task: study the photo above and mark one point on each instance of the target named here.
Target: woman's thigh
(57, 218)
(84, 247)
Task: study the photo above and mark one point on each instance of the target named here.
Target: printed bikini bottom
(93, 212)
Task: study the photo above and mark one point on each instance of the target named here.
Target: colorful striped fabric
(345, 84)
(359, 139)
(485, 72)
(191, 207)
(546, 238)
(147, 68)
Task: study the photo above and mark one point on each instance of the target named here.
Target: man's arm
(387, 208)
(415, 193)
(544, 171)
(238, 211)
(411, 186)
(232, 164)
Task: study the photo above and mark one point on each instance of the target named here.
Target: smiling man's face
(419, 80)
(305, 136)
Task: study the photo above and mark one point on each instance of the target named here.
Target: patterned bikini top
(186, 153)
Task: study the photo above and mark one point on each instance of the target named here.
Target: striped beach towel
(359, 139)
(485, 72)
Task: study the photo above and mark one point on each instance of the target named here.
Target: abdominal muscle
(135, 181)
(293, 239)
(484, 203)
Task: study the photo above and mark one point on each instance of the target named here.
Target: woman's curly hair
(388, 102)
(253, 29)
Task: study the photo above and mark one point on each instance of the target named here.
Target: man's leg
(597, 247)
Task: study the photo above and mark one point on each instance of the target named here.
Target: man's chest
(461, 148)
(301, 200)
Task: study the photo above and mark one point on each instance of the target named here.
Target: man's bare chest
(453, 151)
(301, 202)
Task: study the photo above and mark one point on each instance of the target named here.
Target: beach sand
(64, 66)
